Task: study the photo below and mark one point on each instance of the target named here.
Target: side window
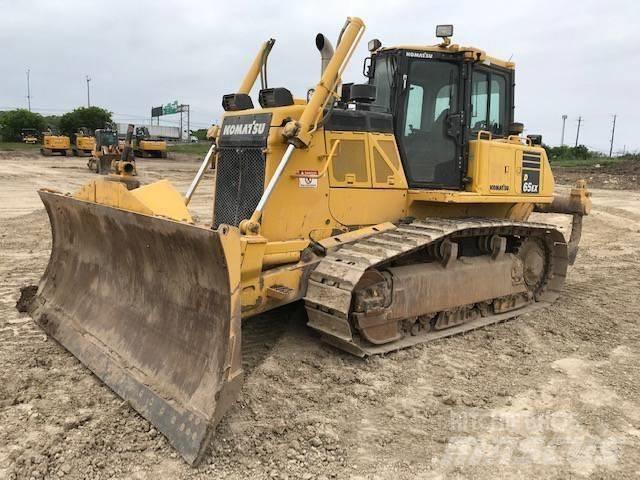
(414, 109)
(382, 81)
(479, 101)
(497, 104)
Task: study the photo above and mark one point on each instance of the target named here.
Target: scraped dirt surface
(553, 394)
(619, 175)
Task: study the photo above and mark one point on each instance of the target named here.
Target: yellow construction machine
(52, 143)
(84, 142)
(110, 158)
(396, 210)
(29, 136)
(148, 146)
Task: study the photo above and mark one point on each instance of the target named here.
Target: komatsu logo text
(419, 54)
(253, 128)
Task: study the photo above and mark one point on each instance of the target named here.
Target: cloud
(572, 58)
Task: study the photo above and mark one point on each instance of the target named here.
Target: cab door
(429, 120)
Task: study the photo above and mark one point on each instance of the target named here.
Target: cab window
(488, 102)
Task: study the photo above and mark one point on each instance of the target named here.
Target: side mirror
(368, 69)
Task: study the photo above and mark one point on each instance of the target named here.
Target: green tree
(13, 121)
(566, 152)
(200, 134)
(90, 117)
(53, 121)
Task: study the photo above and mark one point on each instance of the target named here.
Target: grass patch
(200, 148)
(582, 162)
(17, 146)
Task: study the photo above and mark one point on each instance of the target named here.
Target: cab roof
(470, 52)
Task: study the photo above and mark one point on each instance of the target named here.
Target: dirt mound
(618, 175)
(553, 394)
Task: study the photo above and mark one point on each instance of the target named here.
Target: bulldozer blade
(152, 307)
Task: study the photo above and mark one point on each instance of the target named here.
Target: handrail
(322, 173)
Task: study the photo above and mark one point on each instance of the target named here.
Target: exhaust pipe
(326, 51)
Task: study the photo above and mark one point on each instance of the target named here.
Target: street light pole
(564, 120)
(88, 91)
(29, 89)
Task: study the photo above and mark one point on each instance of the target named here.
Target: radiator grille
(239, 184)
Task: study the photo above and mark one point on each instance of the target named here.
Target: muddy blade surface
(145, 304)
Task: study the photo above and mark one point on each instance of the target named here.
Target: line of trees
(566, 152)
(12, 122)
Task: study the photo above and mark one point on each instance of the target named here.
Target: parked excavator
(396, 210)
(53, 142)
(148, 146)
(84, 142)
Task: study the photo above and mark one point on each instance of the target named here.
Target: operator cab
(440, 97)
(106, 138)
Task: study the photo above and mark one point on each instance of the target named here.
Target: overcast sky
(573, 58)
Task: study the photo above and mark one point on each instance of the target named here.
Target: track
(329, 295)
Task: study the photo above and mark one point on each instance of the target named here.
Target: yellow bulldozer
(52, 143)
(396, 210)
(84, 142)
(148, 146)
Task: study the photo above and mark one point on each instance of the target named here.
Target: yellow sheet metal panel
(111, 194)
(85, 143)
(163, 200)
(508, 168)
(356, 206)
(387, 171)
(349, 165)
(56, 142)
(156, 145)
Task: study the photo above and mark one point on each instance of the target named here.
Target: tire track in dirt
(310, 411)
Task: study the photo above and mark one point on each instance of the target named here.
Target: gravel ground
(553, 394)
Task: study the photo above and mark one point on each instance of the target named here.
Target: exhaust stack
(326, 51)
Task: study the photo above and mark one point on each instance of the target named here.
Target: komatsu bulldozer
(397, 210)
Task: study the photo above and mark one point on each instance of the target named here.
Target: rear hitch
(577, 204)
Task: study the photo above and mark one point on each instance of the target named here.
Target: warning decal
(307, 178)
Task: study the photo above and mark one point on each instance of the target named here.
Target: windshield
(431, 95)
(108, 138)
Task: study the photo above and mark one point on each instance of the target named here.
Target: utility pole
(28, 89)
(613, 132)
(564, 120)
(188, 124)
(88, 91)
(578, 131)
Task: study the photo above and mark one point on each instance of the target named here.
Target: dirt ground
(619, 175)
(553, 394)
